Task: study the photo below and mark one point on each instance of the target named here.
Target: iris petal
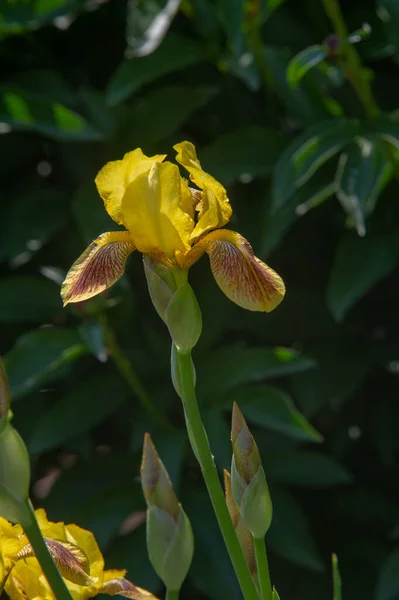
(114, 178)
(99, 267)
(243, 277)
(214, 208)
(115, 583)
(153, 213)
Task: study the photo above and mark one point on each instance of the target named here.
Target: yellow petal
(12, 540)
(26, 580)
(99, 267)
(214, 208)
(153, 213)
(244, 278)
(114, 178)
(115, 583)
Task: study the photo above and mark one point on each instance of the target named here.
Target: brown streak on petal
(125, 588)
(244, 278)
(99, 267)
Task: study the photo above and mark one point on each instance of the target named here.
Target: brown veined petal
(114, 178)
(99, 267)
(71, 561)
(115, 583)
(244, 278)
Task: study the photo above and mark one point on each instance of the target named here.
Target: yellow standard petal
(114, 178)
(244, 278)
(214, 207)
(26, 580)
(99, 267)
(153, 211)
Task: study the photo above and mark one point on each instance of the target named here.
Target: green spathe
(170, 546)
(183, 318)
(175, 302)
(253, 501)
(14, 475)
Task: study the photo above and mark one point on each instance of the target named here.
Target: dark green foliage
(313, 182)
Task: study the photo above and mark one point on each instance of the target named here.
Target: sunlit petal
(114, 178)
(214, 207)
(244, 278)
(153, 213)
(99, 267)
(115, 583)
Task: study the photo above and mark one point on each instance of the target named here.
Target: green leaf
(305, 155)
(39, 356)
(19, 15)
(303, 62)
(164, 110)
(273, 409)
(231, 15)
(289, 534)
(311, 469)
(337, 593)
(359, 264)
(388, 581)
(147, 24)
(79, 411)
(275, 595)
(31, 220)
(26, 111)
(174, 53)
(234, 366)
(28, 298)
(247, 152)
(363, 172)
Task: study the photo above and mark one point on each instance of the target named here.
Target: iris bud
(170, 540)
(249, 486)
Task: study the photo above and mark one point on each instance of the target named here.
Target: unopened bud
(249, 486)
(170, 541)
(244, 535)
(175, 302)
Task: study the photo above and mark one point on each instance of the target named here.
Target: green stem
(200, 444)
(44, 557)
(172, 594)
(129, 375)
(263, 569)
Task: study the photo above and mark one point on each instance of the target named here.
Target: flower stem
(263, 569)
(202, 451)
(43, 556)
(129, 375)
(172, 594)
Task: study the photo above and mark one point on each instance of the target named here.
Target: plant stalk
(172, 594)
(263, 569)
(201, 448)
(53, 576)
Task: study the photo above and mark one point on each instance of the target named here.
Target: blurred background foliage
(282, 115)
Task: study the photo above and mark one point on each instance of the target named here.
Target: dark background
(317, 379)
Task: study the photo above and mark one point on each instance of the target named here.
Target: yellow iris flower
(174, 224)
(77, 556)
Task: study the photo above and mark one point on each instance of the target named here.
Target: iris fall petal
(99, 267)
(243, 277)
